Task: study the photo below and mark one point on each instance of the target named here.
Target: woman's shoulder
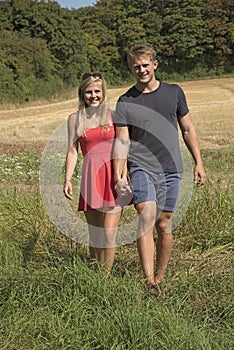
(73, 120)
(73, 116)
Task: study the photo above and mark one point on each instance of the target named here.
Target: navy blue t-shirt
(152, 121)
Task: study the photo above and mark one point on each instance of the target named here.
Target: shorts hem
(172, 210)
(142, 201)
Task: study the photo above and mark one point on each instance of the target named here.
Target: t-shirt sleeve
(120, 113)
(182, 106)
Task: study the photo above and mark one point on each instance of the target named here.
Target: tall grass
(51, 298)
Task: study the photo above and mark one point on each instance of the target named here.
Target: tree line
(45, 48)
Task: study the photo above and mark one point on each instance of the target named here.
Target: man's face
(143, 69)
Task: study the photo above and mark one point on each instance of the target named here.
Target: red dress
(97, 189)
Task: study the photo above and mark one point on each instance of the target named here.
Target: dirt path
(211, 103)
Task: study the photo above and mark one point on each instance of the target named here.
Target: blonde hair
(103, 110)
(141, 50)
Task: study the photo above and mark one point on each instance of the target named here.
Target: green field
(52, 299)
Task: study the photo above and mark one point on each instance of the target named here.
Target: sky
(75, 3)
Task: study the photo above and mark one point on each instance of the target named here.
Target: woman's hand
(123, 187)
(67, 189)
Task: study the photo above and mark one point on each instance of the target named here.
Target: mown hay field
(211, 103)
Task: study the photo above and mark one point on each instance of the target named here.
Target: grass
(50, 296)
(52, 299)
(68, 307)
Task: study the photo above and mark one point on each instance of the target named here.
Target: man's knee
(164, 223)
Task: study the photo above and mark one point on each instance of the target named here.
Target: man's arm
(191, 141)
(120, 154)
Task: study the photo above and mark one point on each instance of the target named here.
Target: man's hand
(123, 187)
(199, 175)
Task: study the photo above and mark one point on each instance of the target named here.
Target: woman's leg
(111, 221)
(103, 228)
(95, 223)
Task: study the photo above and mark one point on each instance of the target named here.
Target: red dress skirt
(97, 188)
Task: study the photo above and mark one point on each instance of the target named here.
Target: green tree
(102, 47)
(6, 15)
(58, 28)
(219, 18)
(44, 46)
(128, 22)
(24, 62)
(184, 36)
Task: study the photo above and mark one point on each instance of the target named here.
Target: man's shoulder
(171, 89)
(132, 92)
(166, 85)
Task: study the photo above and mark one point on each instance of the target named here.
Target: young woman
(92, 128)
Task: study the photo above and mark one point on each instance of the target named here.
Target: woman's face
(93, 95)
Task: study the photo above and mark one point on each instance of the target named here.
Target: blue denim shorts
(161, 188)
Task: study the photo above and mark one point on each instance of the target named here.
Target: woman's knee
(110, 237)
(147, 215)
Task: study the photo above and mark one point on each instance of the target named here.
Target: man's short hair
(142, 49)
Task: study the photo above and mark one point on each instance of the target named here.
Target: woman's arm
(72, 154)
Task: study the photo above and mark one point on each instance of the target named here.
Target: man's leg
(164, 244)
(145, 242)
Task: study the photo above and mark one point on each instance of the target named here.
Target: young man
(146, 122)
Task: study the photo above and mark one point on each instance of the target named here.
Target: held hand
(123, 187)
(67, 189)
(199, 175)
